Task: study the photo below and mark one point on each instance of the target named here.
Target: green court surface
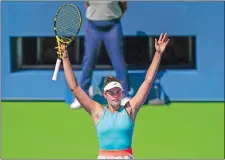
(53, 130)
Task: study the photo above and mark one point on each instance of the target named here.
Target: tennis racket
(67, 24)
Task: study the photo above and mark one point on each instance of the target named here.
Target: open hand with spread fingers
(161, 43)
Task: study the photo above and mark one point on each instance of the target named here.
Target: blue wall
(203, 19)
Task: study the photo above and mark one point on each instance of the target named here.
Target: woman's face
(114, 96)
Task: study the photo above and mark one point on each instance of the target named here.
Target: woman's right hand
(63, 49)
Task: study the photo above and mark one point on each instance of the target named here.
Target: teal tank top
(115, 130)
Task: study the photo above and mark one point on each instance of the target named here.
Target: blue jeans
(110, 33)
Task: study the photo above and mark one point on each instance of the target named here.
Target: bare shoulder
(131, 110)
(96, 114)
(99, 107)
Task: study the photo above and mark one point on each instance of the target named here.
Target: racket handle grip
(57, 66)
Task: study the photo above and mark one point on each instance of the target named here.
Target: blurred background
(36, 119)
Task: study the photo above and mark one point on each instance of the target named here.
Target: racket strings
(68, 16)
(68, 22)
(69, 29)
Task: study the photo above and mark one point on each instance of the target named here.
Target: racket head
(67, 23)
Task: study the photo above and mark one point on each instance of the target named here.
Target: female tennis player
(114, 123)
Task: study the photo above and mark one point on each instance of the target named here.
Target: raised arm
(89, 105)
(137, 101)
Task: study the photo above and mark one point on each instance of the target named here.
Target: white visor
(113, 84)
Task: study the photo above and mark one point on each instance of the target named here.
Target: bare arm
(88, 104)
(123, 5)
(143, 91)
